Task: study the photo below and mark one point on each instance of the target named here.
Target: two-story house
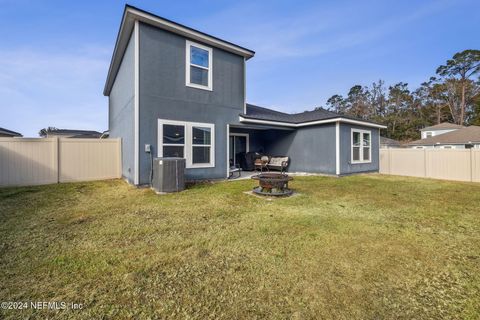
(182, 92)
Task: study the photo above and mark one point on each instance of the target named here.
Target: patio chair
(234, 169)
(262, 163)
(278, 163)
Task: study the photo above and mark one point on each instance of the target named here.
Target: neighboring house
(464, 138)
(5, 133)
(438, 129)
(387, 143)
(71, 133)
(182, 92)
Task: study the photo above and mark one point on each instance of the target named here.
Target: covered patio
(247, 141)
(319, 141)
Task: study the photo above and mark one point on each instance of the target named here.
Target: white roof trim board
(311, 123)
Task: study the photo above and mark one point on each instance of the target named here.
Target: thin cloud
(316, 31)
(48, 88)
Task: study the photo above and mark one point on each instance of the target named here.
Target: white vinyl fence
(34, 161)
(447, 164)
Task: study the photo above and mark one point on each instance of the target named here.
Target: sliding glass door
(238, 143)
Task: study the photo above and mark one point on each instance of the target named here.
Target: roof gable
(131, 14)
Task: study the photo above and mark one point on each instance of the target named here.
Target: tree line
(452, 95)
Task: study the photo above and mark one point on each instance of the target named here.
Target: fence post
(119, 157)
(56, 155)
(471, 164)
(389, 160)
(425, 162)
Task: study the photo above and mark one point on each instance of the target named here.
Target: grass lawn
(360, 247)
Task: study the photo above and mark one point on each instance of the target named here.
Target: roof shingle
(389, 142)
(261, 113)
(466, 135)
(4, 131)
(443, 126)
(74, 131)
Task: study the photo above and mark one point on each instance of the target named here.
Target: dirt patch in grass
(366, 246)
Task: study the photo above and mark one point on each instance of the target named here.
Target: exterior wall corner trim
(136, 104)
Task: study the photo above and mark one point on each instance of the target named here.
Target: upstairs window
(198, 66)
(361, 146)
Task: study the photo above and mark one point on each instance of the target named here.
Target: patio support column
(337, 148)
(228, 151)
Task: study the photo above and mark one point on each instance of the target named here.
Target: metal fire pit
(272, 184)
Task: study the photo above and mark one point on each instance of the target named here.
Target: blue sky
(54, 55)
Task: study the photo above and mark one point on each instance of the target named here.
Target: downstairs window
(190, 140)
(361, 149)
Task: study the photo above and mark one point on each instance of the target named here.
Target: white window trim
(188, 145)
(188, 64)
(246, 135)
(361, 147)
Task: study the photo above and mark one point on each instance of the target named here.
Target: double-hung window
(173, 140)
(201, 144)
(190, 140)
(198, 66)
(361, 146)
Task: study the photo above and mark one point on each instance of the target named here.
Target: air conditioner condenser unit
(168, 174)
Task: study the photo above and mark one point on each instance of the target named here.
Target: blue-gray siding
(311, 149)
(164, 95)
(346, 167)
(121, 110)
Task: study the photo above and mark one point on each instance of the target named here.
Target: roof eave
(13, 133)
(311, 123)
(130, 14)
(435, 129)
(432, 128)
